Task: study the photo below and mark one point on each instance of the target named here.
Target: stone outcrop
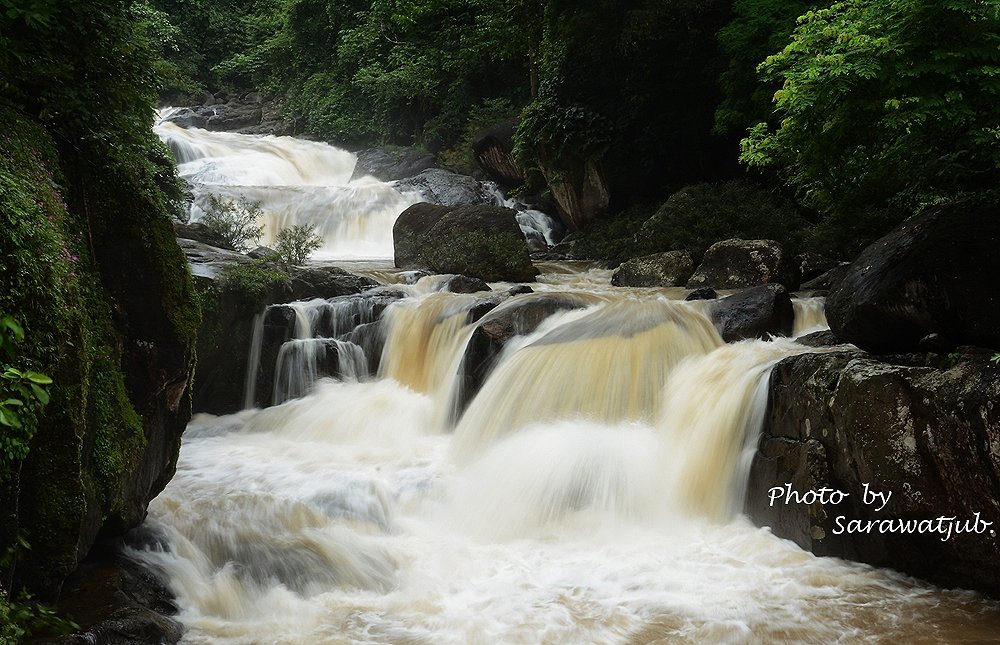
(495, 327)
(758, 312)
(445, 188)
(735, 264)
(669, 269)
(234, 289)
(936, 273)
(117, 601)
(251, 114)
(477, 241)
(392, 164)
(493, 149)
(925, 432)
(580, 193)
(101, 289)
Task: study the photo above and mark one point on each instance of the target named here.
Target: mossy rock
(479, 241)
(93, 272)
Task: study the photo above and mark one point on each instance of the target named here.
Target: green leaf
(40, 394)
(37, 377)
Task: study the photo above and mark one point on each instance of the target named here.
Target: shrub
(295, 244)
(700, 215)
(237, 221)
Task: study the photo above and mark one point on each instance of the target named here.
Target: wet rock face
(117, 601)
(670, 269)
(445, 188)
(758, 312)
(392, 164)
(934, 274)
(497, 326)
(483, 242)
(927, 435)
(735, 264)
(493, 149)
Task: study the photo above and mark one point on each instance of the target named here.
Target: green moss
(475, 253)
(95, 283)
(253, 281)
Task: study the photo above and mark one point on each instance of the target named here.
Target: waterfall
(590, 491)
(296, 182)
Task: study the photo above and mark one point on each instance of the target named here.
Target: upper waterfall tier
(295, 182)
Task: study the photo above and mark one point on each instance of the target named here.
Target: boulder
(935, 273)
(478, 241)
(824, 338)
(581, 193)
(253, 114)
(464, 284)
(669, 269)
(199, 232)
(812, 265)
(735, 264)
(117, 601)
(758, 312)
(519, 316)
(445, 188)
(828, 279)
(234, 289)
(493, 149)
(392, 164)
(846, 421)
(702, 293)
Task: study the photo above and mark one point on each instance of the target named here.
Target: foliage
(630, 85)
(296, 243)
(886, 102)
(698, 216)
(237, 221)
(996, 358)
(758, 28)
(693, 219)
(23, 393)
(253, 280)
(20, 615)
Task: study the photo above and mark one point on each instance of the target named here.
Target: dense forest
(839, 119)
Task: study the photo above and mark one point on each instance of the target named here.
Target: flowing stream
(590, 491)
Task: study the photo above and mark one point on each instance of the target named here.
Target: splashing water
(590, 494)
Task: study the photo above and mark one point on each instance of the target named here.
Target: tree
(886, 103)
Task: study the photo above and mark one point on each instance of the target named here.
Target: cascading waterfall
(296, 182)
(299, 182)
(590, 493)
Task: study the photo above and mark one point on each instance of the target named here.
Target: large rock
(735, 264)
(581, 193)
(235, 289)
(493, 149)
(936, 273)
(669, 269)
(758, 312)
(199, 232)
(517, 317)
(479, 241)
(926, 435)
(252, 114)
(117, 601)
(95, 277)
(392, 164)
(445, 188)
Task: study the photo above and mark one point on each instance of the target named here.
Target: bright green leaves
(885, 102)
(22, 395)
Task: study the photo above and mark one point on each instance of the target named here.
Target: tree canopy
(886, 102)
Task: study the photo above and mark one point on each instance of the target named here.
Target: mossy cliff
(91, 269)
